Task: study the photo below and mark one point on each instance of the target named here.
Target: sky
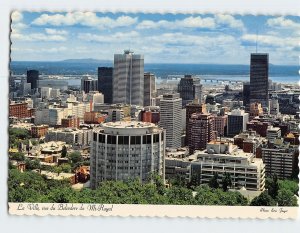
(161, 38)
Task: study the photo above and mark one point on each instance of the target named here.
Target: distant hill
(86, 60)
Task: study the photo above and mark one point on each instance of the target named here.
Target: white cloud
(40, 50)
(189, 22)
(84, 18)
(271, 40)
(194, 22)
(37, 37)
(229, 20)
(16, 16)
(117, 37)
(282, 22)
(52, 31)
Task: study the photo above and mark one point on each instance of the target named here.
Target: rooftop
(128, 124)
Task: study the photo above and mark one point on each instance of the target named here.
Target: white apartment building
(71, 136)
(127, 150)
(171, 119)
(222, 157)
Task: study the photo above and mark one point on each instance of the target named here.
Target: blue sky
(162, 38)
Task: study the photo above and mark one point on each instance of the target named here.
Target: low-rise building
(71, 136)
(281, 159)
(221, 157)
(38, 131)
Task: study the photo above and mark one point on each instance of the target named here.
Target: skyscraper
(128, 78)
(259, 73)
(32, 78)
(105, 81)
(149, 88)
(190, 88)
(194, 107)
(88, 84)
(170, 119)
(246, 95)
(200, 131)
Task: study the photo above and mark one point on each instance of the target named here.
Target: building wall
(128, 79)
(127, 153)
(105, 83)
(259, 76)
(170, 119)
(200, 131)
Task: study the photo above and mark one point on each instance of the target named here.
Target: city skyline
(162, 38)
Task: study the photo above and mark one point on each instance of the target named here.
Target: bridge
(208, 79)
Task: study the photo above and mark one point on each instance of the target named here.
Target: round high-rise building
(127, 150)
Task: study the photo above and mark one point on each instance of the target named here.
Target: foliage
(65, 167)
(19, 156)
(226, 181)
(31, 186)
(214, 183)
(286, 198)
(209, 196)
(290, 185)
(17, 135)
(32, 164)
(264, 199)
(75, 157)
(273, 187)
(64, 151)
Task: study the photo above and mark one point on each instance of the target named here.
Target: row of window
(124, 140)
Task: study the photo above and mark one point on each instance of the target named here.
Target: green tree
(273, 187)
(64, 151)
(57, 170)
(291, 185)
(214, 183)
(286, 198)
(65, 167)
(264, 199)
(75, 157)
(226, 181)
(32, 164)
(19, 156)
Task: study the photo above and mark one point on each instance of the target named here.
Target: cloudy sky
(162, 38)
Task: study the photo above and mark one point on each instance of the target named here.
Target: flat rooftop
(128, 124)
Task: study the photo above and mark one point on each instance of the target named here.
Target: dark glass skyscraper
(105, 82)
(32, 77)
(246, 95)
(190, 88)
(259, 73)
(88, 84)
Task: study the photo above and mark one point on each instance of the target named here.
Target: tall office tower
(246, 95)
(190, 88)
(237, 122)
(200, 131)
(194, 107)
(32, 77)
(170, 119)
(259, 73)
(149, 89)
(105, 83)
(128, 78)
(88, 84)
(127, 150)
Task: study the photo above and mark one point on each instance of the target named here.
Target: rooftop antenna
(256, 40)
